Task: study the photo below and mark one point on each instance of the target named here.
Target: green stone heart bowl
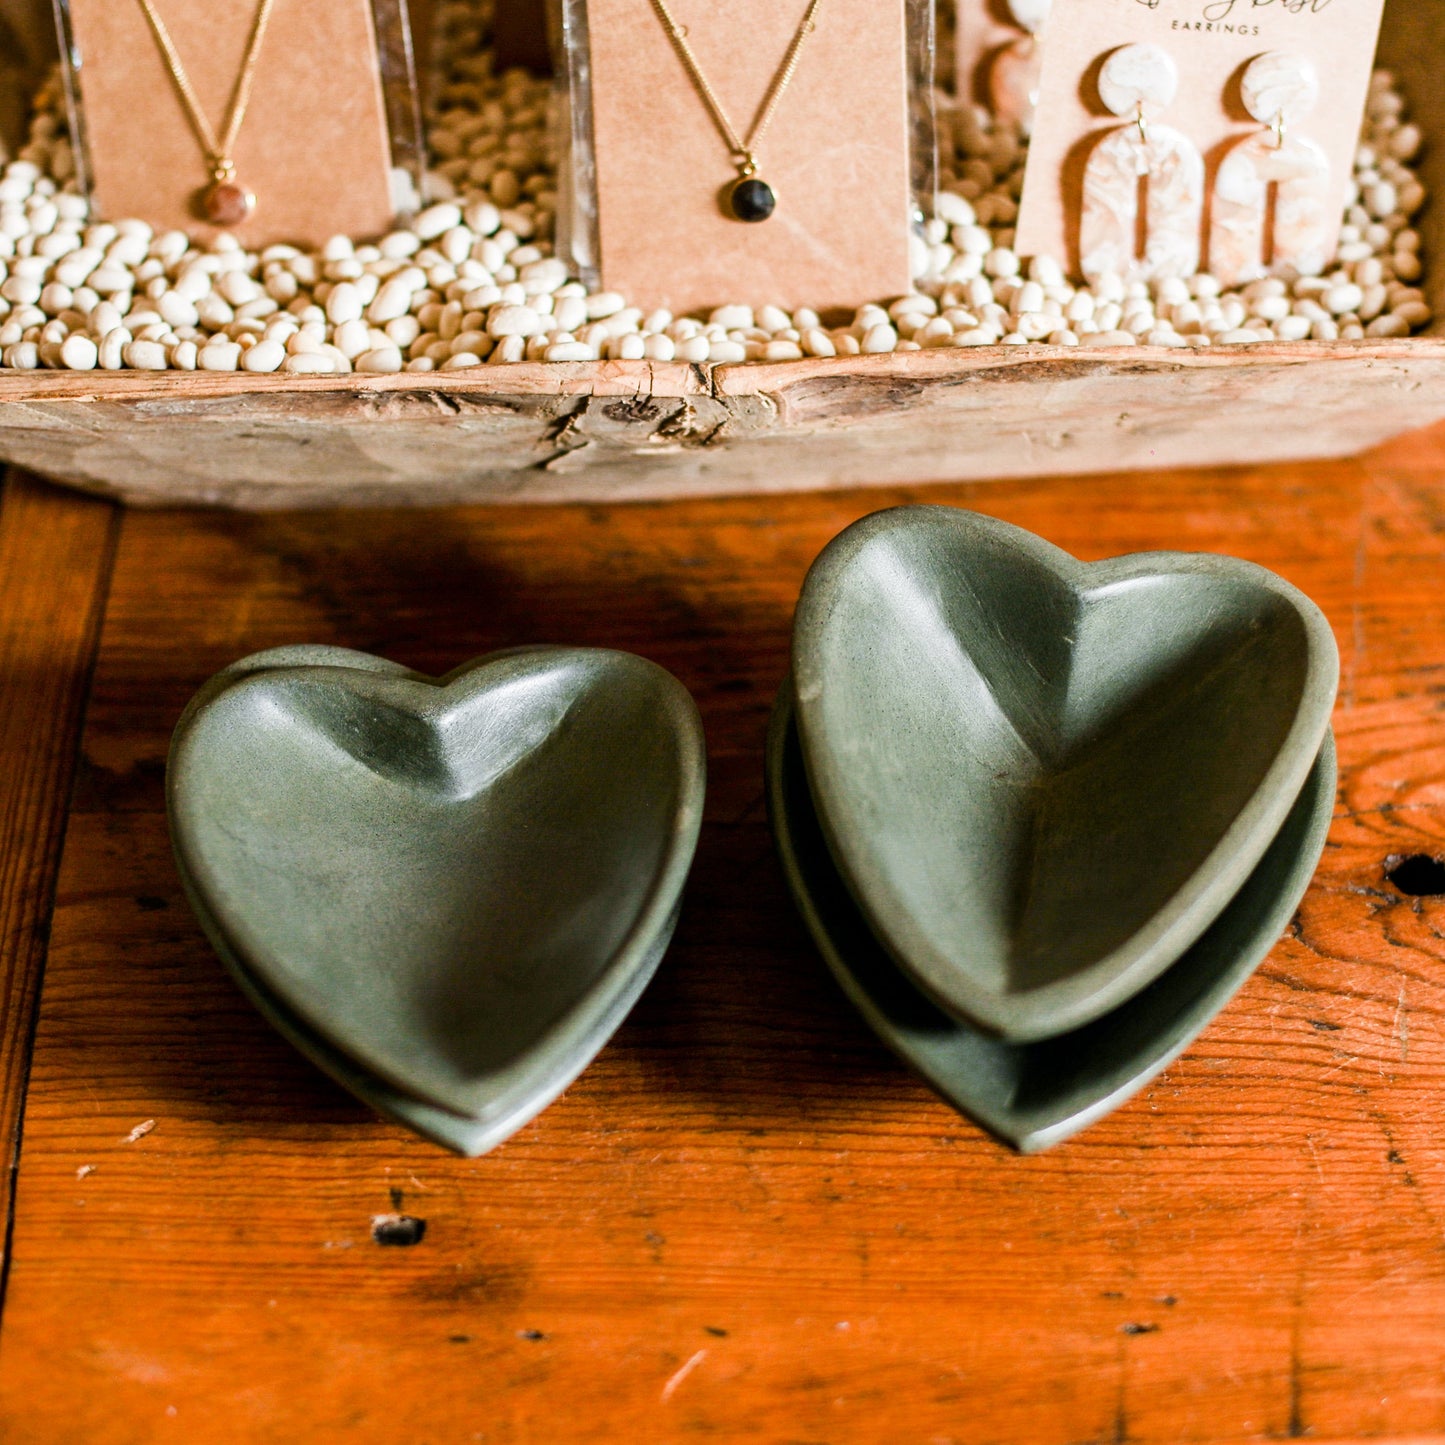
(1035, 1095)
(447, 883)
(505, 1113)
(1043, 779)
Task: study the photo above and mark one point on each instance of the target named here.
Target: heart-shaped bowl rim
(927, 1039)
(468, 1137)
(1071, 1001)
(634, 954)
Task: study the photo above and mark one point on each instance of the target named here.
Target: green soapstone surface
(446, 886)
(1043, 779)
(1034, 1095)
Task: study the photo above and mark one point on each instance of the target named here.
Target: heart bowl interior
(1043, 779)
(441, 878)
(1034, 1095)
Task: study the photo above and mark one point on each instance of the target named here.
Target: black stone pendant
(752, 200)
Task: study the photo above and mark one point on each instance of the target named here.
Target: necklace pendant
(226, 203)
(751, 199)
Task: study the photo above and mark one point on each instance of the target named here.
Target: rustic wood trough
(609, 430)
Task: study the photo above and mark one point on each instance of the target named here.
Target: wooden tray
(607, 430)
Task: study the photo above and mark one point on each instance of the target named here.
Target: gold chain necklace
(749, 198)
(225, 202)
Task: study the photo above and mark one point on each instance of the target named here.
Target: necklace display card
(328, 140)
(1211, 43)
(839, 154)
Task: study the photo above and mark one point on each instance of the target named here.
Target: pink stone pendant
(226, 203)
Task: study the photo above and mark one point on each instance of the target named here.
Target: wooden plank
(601, 431)
(55, 556)
(607, 431)
(745, 1220)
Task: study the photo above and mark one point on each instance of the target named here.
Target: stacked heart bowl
(448, 892)
(1043, 818)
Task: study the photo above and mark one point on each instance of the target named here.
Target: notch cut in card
(767, 153)
(314, 99)
(1196, 134)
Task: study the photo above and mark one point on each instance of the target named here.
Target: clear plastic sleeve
(397, 80)
(572, 126)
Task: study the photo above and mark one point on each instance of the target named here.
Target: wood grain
(609, 431)
(606, 431)
(746, 1221)
(55, 554)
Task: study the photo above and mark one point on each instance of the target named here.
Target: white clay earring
(1279, 91)
(1013, 79)
(1145, 167)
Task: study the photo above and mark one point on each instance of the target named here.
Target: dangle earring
(1271, 195)
(1143, 197)
(1013, 79)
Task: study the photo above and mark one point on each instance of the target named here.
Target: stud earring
(1270, 209)
(1014, 74)
(1146, 172)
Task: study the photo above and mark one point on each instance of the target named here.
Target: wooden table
(746, 1221)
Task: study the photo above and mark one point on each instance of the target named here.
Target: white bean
(79, 352)
(1343, 298)
(264, 356)
(219, 355)
(514, 321)
(474, 274)
(145, 356)
(112, 348)
(344, 304)
(878, 339)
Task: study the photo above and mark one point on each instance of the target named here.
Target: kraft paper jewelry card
(277, 120)
(1171, 135)
(751, 151)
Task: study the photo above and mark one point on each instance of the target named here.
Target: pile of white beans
(472, 280)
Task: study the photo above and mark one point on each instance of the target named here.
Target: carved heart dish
(1042, 779)
(1035, 1095)
(449, 885)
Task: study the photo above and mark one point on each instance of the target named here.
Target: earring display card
(837, 155)
(330, 129)
(1197, 101)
